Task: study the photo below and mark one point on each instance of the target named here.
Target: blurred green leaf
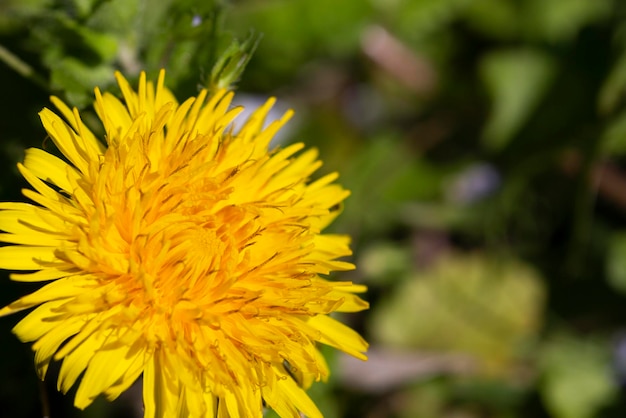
(560, 20)
(499, 395)
(427, 400)
(417, 180)
(269, 413)
(516, 81)
(616, 262)
(614, 87)
(382, 174)
(102, 44)
(121, 17)
(614, 136)
(496, 18)
(491, 309)
(325, 27)
(83, 8)
(77, 80)
(577, 379)
(16, 13)
(385, 263)
(323, 397)
(436, 216)
(417, 19)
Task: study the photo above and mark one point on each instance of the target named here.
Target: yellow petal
(105, 369)
(46, 346)
(77, 124)
(159, 396)
(114, 116)
(127, 380)
(14, 257)
(65, 139)
(50, 168)
(286, 398)
(58, 289)
(26, 224)
(75, 363)
(340, 336)
(37, 323)
(350, 302)
(63, 270)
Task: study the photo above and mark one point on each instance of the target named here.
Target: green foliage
(516, 81)
(616, 262)
(385, 263)
(561, 20)
(577, 380)
(81, 43)
(490, 309)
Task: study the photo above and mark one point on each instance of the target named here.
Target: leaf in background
(488, 308)
(561, 20)
(269, 413)
(15, 13)
(76, 80)
(181, 36)
(328, 27)
(577, 379)
(121, 17)
(516, 80)
(496, 18)
(616, 262)
(381, 175)
(385, 263)
(614, 135)
(82, 8)
(614, 87)
(102, 45)
(427, 401)
(418, 18)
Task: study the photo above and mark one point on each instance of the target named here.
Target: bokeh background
(484, 142)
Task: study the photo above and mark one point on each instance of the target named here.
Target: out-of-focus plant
(69, 47)
(489, 309)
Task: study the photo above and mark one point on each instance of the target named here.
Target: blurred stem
(45, 402)
(22, 68)
(583, 213)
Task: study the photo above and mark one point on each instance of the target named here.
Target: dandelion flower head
(181, 250)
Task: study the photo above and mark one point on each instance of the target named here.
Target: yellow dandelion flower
(183, 251)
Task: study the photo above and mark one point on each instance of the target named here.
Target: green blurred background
(484, 142)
